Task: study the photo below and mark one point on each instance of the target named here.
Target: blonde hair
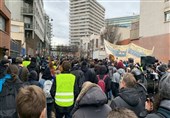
(129, 80)
(30, 101)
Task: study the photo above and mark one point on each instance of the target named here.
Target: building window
(166, 0)
(167, 16)
(96, 43)
(2, 23)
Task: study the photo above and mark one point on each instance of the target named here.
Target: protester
(103, 77)
(91, 102)
(23, 71)
(34, 66)
(128, 96)
(31, 102)
(80, 78)
(116, 80)
(163, 100)
(9, 86)
(47, 81)
(122, 113)
(89, 75)
(33, 79)
(64, 90)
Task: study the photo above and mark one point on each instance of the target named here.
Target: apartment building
(31, 13)
(5, 22)
(86, 18)
(18, 44)
(154, 28)
(122, 21)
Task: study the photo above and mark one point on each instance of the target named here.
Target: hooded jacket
(91, 103)
(130, 99)
(163, 110)
(88, 74)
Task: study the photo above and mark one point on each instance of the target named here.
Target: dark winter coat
(33, 66)
(7, 98)
(88, 74)
(80, 79)
(91, 103)
(129, 98)
(47, 74)
(163, 110)
(23, 73)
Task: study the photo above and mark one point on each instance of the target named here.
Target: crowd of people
(34, 87)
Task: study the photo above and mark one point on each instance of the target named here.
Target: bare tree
(110, 33)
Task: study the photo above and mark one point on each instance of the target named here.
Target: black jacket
(89, 74)
(34, 66)
(80, 79)
(129, 98)
(47, 74)
(91, 105)
(53, 92)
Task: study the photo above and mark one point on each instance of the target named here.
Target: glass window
(167, 16)
(2, 23)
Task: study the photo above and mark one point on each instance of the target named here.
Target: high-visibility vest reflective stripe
(26, 63)
(64, 96)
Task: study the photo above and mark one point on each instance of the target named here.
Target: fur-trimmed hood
(91, 94)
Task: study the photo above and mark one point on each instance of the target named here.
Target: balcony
(27, 11)
(28, 26)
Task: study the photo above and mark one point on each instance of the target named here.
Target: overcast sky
(58, 10)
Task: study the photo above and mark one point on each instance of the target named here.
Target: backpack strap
(105, 76)
(98, 77)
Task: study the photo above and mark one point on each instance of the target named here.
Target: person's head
(33, 59)
(33, 75)
(121, 113)
(161, 69)
(66, 65)
(19, 60)
(128, 81)
(31, 102)
(103, 69)
(13, 71)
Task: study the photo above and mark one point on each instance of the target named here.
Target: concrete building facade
(86, 18)
(17, 34)
(5, 22)
(154, 28)
(31, 12)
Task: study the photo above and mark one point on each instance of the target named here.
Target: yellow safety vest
(26, 63)
(64, 96)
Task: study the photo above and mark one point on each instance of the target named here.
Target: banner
(127, 51)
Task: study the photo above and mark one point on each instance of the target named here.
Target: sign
(127, 51)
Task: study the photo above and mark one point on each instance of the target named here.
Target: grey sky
(58, 10)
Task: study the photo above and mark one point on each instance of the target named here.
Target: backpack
(7, 101)
(101, 82)
(47, 87)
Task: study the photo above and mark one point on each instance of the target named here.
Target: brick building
(5, 22)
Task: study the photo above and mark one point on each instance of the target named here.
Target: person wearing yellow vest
(64, 91)
(26, 62)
